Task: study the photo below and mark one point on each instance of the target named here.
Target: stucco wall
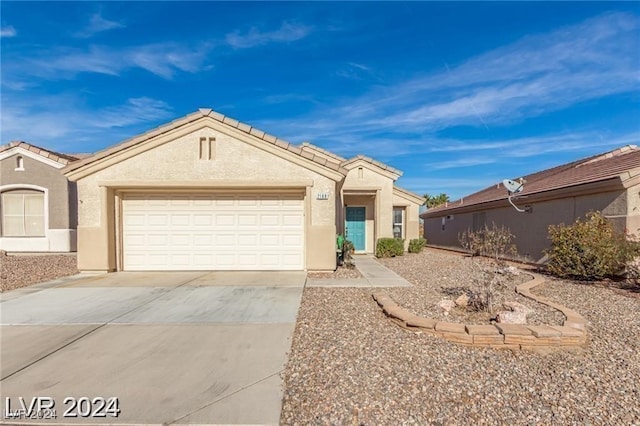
(412, 218)
(234, 160)
(633, 210)
(530, 229)
(61, 206)
(370, 179)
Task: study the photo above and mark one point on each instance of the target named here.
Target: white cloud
(254, 37)
(162, 59)
(8, 31)
(461, 162)
(528, 78)
(63, 122)
(354, 71)
(98, 24)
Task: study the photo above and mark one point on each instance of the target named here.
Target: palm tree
(432, 201)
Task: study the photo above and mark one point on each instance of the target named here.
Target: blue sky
(457, 95)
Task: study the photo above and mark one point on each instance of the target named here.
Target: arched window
(22, 213)
(19, 163)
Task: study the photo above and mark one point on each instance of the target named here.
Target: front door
(355, 227)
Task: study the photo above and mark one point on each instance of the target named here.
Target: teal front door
(355, 227)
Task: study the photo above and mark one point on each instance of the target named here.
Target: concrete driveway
(173, 347)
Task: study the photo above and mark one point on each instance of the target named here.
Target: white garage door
(212, 232)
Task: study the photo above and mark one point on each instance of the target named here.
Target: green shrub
(416, 245)
(389, 247)
(589, 250)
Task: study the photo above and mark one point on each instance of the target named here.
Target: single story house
(38, 204)
(608, 182)
(206, 192)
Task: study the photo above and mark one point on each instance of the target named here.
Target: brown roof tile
(587, 170)
(52, 155)
(206, 112)
(373, 162)
(312, 147)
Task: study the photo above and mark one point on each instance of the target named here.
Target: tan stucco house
(609, 183)
(206, 192)
(37, 202)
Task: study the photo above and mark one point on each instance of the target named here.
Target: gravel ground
(339, 273)
(350, 365)
(23, 270)
(439, 275)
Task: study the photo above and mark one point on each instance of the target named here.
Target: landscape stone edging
(500, 336)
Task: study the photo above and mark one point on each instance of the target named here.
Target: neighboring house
(608, 182)
(38, 204)
(206, 192)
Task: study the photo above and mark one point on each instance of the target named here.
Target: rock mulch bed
(18, 271)
(570, 335)
(349, 366)
(438, 275)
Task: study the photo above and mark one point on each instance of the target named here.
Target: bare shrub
(494, 242)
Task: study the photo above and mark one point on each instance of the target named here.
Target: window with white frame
(19, 164)
(398, 222)
(22, 213)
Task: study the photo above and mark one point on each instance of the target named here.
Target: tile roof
(64, 159)
(593, 169)
(312, 147)
(206, 112)
(372, 161)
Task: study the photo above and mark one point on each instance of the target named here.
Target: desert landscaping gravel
(437, 275)
(350, 364)
(23, 270)
(340, 273)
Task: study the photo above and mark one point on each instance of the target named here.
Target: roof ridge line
(609, 154)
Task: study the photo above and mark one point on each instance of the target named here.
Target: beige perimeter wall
(531, 229)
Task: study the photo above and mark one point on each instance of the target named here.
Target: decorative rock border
(500, 336)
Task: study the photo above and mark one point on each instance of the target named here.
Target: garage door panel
(157, 219)
(270, 240)
(181, 240)
(179, 259)
(135, 219)
(202, 239)
(202, 219)
(292, 240)
(290, 220)
(269, 220)
(247, 220)
(161, 240)
(225, 219)
(206, 232)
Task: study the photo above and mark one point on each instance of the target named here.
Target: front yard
(350, 365)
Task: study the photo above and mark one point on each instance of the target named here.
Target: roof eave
(390, 172)
(609, 184)
(101, 159)
(407, 195)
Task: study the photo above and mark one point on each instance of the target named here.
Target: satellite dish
(513, 186)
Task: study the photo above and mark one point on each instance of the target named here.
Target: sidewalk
(373, 275)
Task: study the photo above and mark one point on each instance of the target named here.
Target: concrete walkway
(373, 275)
